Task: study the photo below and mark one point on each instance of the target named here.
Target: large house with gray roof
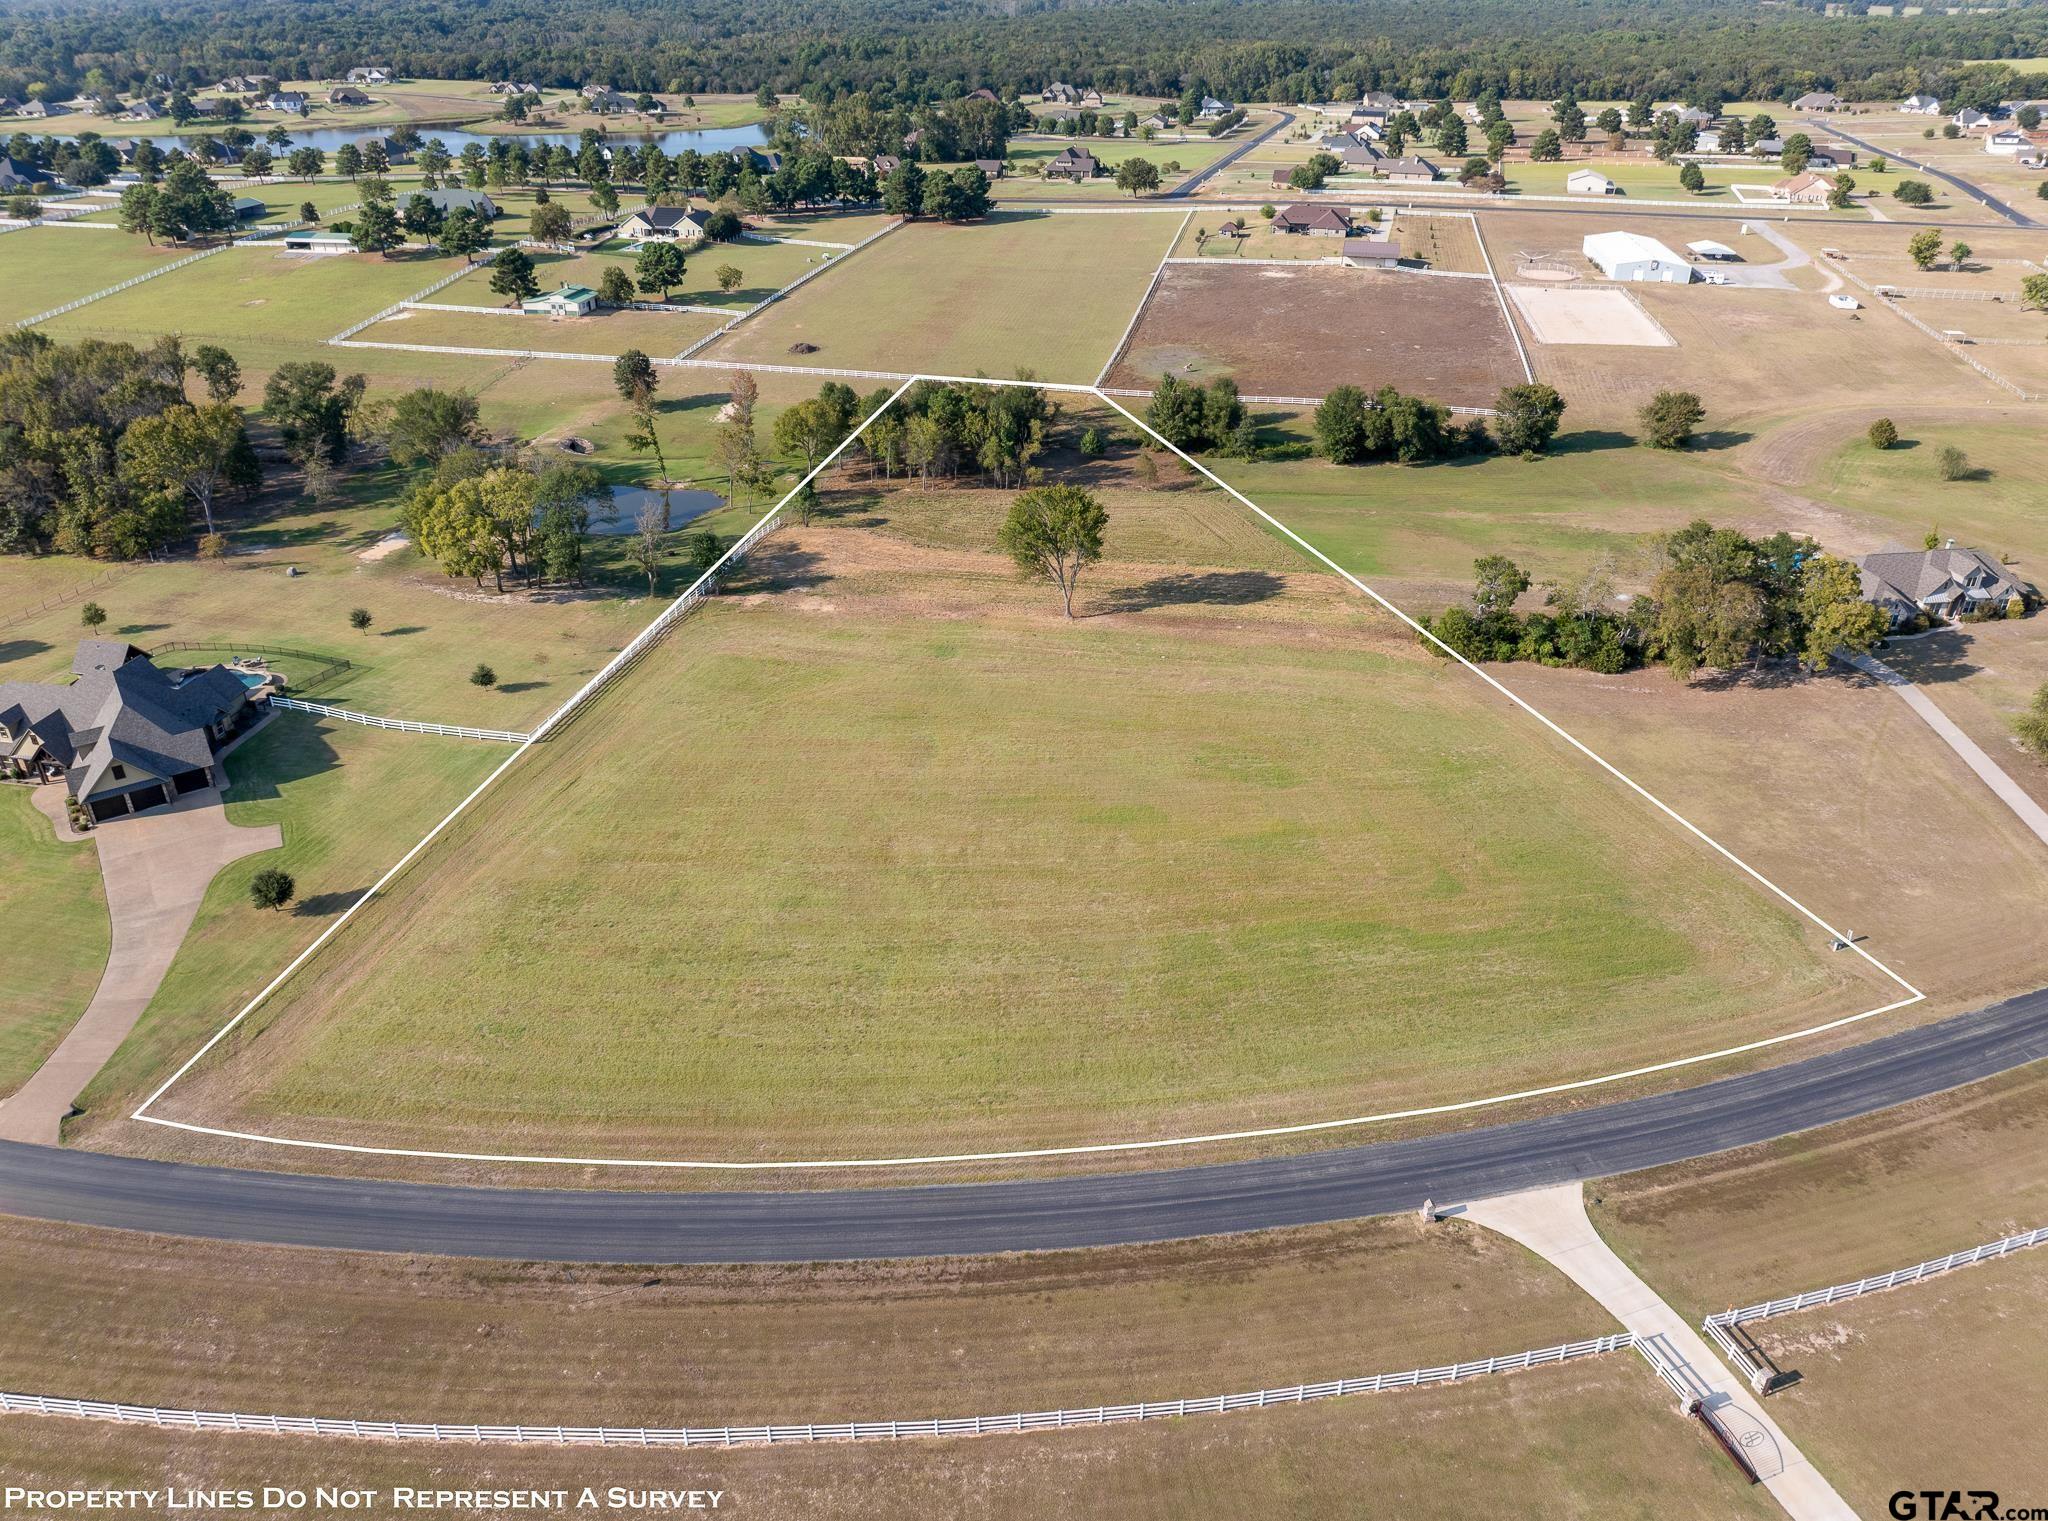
(1944, 583)
(127, 734)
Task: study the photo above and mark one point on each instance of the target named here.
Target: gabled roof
(1307, 218)
(123, 709)
(1939, 578)
(663, 218)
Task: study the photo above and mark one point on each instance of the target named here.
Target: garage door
(104, 808)
(152, 796)
(191, 781)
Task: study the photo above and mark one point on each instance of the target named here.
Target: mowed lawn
(42, 267)
(1047, 293)
(765, 268)
(604, 331)
(56, 942)
(255, 293)
(882, 857)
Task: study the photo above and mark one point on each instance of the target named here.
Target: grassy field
(1975, 1346)
(1900, 488)
(1984, 677)
(1838, 1203)
(256, 293)
(1244, 894)
(764, 268)
(990, 297)
(399, 1338)
(42, 267)
(282, 200)
(351, 801)
(56, 942)
(1588, 1439)
(604, 331)
(1030, 155)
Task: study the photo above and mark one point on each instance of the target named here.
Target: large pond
(623, 516)
(327, 139)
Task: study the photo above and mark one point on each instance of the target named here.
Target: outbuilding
(566, 301)
(1590, 182)
(1632, 256)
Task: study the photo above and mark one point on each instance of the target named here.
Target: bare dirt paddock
(1581, 314)
(1303, 332)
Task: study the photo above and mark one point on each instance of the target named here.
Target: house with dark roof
(1818, 100)
(1372, 253)
(347, 95)
(1072, 164)
(1059, 93)
(984, 93)
(445, 201)
(994, 168)
(668, 224)
(15, 175)
(292, 102)
(126, 734)
(1944, 583)
(1414, 169)
(1314, 221)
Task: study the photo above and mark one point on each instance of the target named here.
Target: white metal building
(1590, 182)
(1632, 256)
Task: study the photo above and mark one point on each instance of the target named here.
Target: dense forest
(915, 50)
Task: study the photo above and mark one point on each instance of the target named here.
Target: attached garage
(192, 781)
(155, 795)
(104, 808)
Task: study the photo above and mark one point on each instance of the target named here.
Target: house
(983, 94)
(35, 109)
(1940, 583)
(1693, 116)
(126, 735)
(994, 168)
(369, 76)
(886, 164)
(668, 224)
(290, 102)
(566, 301)
(145, 110)
(247, 206)
(1632, 256)
(513, 87)
(1091, 100)
(2006, 142)
(1807, 189)
(347, 95)
(245, 84)
(759, 160)
(1315, 221)
(1818, 100)
(1372, 253)
(1158, 123)
(1408, 169)
(607, 102)
(1708, 141)
(1920, 105)
(1831, 158)
(16, 175)
(1212, 109)
(1059, 94)
(1970, 118)
(1072, 164)
(446, 201)
(1361, 155)
(1589, 182)
(1379, 101)
(9, 105)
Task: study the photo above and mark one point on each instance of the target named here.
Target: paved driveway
(157, 867)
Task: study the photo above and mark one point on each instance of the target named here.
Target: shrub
(1670, 418)
(212, 546)
(1951, 464)
(92, 615)
(2016, 607)
(1091, 444)
(359, 619)
(483, 676)
(272, 888)
(1883, 433)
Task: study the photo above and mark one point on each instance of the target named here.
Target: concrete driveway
(156, 867)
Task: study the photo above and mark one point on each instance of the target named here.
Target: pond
(623, 516)
(327, 139)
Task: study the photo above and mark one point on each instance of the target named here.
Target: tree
(1959, 255)
(423, 218)
(1798, 153)
(1451, 139)
(483, 676)
(376, 229)
(1951, 464)
(425, 424)
(903, 190)
(1547, 148)
(1342, 433)
(217, 368)
(272, 887)
(550, 223)
(465, 233)
(1137, 176)
(615, 286)
(312, 410)
(1526, 418)
(728, 277)
(1924, 247)
(92, 615)
(1499, 581)
(1691, 178)
(1883, 433)
(605, 198)
(359, 619)
(658, 268)
(189, 452)
(1670, 418)
(811, 429)
(2032, 726)
(1913, 193)
(633, 377)
(1055, 532)
(647, 549)
(1835, 616)
(512, 277)
(348, 160)
(2034, 293)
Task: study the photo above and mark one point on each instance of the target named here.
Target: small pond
(622, 517)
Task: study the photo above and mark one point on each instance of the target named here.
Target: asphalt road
(1975, 192)
(1201, 177)
(589, 1226)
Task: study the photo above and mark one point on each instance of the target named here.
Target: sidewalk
(1552, 1223)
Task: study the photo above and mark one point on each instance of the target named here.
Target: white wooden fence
(1721, 1327)
(820, 1431)
(132, 280)
(350, 715)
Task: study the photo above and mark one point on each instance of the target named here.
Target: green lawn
(892, 858)
(254, 293)
(281, 201)
(42, 267)
(764, 269)
(1192, 154)
(603, 332)
(1047, 293)
(56, 942)
(1900, 488)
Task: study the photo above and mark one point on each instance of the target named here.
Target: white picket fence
(340, 339)
(132, 280)
(409, 726)
(1720, 1327)
(819, 1431)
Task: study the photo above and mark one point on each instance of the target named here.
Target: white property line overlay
(823, 1431)
(1914, 995)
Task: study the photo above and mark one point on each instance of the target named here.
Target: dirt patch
(1590, 314)
(385, 547)
(1287, 332)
